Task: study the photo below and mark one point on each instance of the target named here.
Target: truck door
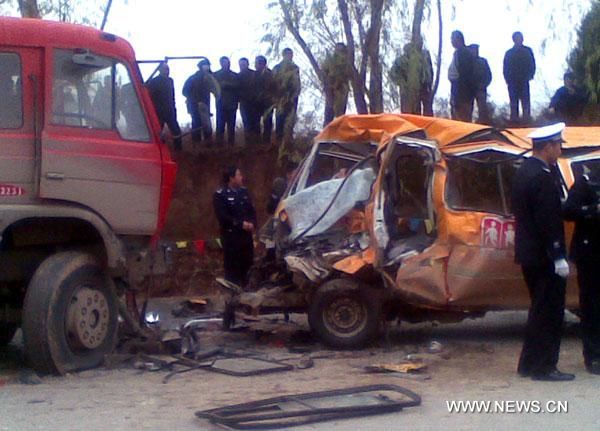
(20, 87)
(97, 148)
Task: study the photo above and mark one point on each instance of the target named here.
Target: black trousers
(226, 119)
(251, 121)
(238, 255)
(264, 112)
(544, 323)
(519, 92)
(461, 103)
(171, 121)
(589, 306)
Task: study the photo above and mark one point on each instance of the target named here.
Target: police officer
(583, 207)
(540, 249)
(237, 218)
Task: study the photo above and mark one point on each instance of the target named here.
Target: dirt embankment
(191, 215)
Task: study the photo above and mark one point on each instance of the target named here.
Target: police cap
(547, 135)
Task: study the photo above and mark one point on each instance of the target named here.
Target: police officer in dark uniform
(237, 218)
(583, 207)
(540, 249)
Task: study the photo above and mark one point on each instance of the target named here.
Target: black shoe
(553, 376)
(593, 367)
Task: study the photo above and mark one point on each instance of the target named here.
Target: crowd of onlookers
(470, 76)
(260, 94)
(266, 97)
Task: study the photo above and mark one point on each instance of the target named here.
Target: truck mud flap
(301, 409)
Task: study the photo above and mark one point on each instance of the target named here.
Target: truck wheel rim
(87, 318)
(345, 317)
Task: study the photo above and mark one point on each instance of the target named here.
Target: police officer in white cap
(583, 207)
(541, 252)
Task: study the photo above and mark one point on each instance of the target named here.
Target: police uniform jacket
(233, 207)
(536, 204)
(582, 208)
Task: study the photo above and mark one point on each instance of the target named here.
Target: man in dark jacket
(247, 95)
(197, 90)
(482, 77)
(162, 92)
(540, 249)
(227, 104)
(237, 219)
(460, 75)
(583, 207)
(265, 97)
(568, 102)
(519, 69)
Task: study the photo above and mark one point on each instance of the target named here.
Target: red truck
(85, 184)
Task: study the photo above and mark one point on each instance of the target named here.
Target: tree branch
(438, 66)
(358, 84)
(295, 30)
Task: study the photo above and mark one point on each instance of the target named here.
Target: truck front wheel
(70, 314)
(345, 314)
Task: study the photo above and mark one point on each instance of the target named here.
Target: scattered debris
(414, 370)
(29, 377)
(300, 409)
(435, 347)
(402, 367)
(190, 307)
(305, 362)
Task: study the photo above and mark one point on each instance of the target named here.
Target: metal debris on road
(300, 409)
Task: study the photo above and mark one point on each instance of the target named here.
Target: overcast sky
(234, 27)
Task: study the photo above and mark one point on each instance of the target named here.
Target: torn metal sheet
(313, 268)
(306, 207)
(273, 297)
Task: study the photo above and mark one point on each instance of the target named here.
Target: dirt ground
(477, 362)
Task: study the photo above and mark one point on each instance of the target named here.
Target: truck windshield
(99, 95)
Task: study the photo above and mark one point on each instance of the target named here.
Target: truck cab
(85, 184)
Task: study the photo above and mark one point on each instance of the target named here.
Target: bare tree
(29, 9)
(316, 19)
(438, 67)
(106, 12)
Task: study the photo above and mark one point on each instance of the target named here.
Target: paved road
(478, 364)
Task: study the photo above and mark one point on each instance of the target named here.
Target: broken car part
(301, 409)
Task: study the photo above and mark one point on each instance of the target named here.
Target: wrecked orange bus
(402, 216)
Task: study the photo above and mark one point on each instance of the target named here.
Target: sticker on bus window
(497, 232)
